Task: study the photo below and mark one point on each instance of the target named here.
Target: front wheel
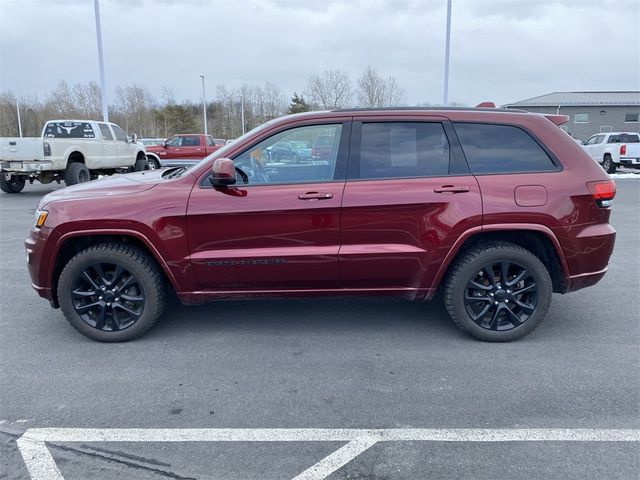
(498, 292)
(141, 164)
(112, 292)
(13, 184)
(153, 163)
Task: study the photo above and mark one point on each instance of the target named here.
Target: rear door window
(401, 149)
(493, 148)
(106, 133)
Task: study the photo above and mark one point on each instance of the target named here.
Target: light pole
(204, 106)
(103, 85)
(19, 122)
(445, 97)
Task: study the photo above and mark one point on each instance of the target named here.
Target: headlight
(41, 216)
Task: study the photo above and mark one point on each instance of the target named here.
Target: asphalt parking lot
(323, 365)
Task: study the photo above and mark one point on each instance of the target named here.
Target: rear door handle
(451, 189)
(315, 196)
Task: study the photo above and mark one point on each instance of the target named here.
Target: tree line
(232, 110)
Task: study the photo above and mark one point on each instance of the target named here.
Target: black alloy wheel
(497, 291)
(108, 297)
(501, 296)
(112, 292)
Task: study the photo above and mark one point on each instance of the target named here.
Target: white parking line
(41, 465)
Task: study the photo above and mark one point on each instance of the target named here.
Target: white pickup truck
(615, 149)
(71, 150)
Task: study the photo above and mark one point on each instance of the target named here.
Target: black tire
(141, 164)
(511, 315)
(609, 165)
(75, 173)
(100, 313)
(13, 184)
(153, 163)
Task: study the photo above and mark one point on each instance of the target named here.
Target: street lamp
(445, 97)
(103, 86)
(204, 106)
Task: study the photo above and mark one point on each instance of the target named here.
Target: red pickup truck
(182, 149)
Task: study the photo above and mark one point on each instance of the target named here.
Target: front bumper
(39, 245)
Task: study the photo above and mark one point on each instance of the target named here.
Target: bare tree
(374, 91)
(331, 89)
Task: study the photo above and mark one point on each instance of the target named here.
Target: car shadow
(342, 314)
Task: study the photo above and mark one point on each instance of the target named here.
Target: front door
(278, 231)
(408, 197)
(109, 147)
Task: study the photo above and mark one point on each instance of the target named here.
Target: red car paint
(197, 147)
(391, 236)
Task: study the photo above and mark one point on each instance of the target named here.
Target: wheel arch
(538, 239)
(71, 244)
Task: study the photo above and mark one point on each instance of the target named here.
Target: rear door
(279, 231)
(109, 147)
(408, 197)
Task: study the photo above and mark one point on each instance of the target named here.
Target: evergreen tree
(298, 104)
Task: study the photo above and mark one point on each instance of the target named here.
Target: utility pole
(103, 85)
(204, 106)
(242, 112)
(445, 97)
(19, 122)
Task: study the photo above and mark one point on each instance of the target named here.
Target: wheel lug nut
(117, 299)
(103, 288)
(108, 304)
(491, 294)
(99, 298)
(496, 303)
(506, 301)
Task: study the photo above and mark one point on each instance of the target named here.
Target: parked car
(183, 150)
(292, 151)
(614, 149)
(494, 209)
(75, 151)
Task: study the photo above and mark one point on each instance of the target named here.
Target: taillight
(602, 192)
(623, 149)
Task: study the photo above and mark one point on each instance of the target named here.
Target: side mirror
(223, 172)
(134, 138)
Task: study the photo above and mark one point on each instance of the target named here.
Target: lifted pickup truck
(75, 151)
(182, 150)
(615, 149)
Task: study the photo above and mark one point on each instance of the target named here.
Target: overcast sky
(501, 50)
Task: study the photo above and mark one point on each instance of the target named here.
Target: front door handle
(451, 189)
(315, 196)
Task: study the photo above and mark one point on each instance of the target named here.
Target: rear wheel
(498, 292)
(112, 292)
(76, 173)
(13, 184)
(609, 165)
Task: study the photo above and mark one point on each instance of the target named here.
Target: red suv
(496, 209)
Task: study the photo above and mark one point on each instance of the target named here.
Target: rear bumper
(629, 161)
(577, 282)
(27, 166)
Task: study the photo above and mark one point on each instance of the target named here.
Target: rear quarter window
(493, 148)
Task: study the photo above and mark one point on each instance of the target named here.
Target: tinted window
(175, 142)
(190, 142)
(631, 117)
(624, 138)
(269, 163)
(69, 130)
(106, 133)
(119, 133)
(392, 150)
(501, 149)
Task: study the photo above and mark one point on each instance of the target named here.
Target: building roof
(582, 99)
